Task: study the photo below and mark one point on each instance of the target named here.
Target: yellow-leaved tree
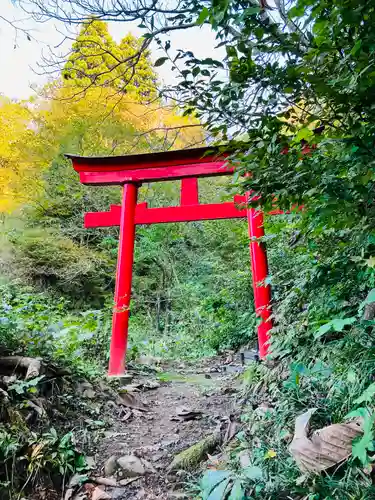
(21, 155)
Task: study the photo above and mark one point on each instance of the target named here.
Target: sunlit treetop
(97, 61)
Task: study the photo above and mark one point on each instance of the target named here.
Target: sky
(19, 57)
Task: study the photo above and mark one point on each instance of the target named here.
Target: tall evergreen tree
(97, 61)
(93, 58)
(137, 75)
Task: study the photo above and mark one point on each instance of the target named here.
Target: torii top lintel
(151, 167)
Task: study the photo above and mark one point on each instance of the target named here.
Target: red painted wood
(123, 282)
(189, 191)
(103, 219)
(188, 213)
(259, 270)
(123, 176)
(188, 166)
(185, 213)
(164, 159)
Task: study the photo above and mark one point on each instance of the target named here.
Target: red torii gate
(187, 165)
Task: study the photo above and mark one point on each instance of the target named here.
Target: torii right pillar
(259, 268)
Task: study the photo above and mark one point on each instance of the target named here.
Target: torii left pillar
(124, 273)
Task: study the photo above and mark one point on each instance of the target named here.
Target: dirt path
(155, 434)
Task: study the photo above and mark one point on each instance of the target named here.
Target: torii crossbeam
(187, 165)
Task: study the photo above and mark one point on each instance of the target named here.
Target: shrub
(46, 258)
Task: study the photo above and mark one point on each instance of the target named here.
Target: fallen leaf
(131, 401)
(33, 369)
(68, 494)
(99, 494)
(213, 461)
(125, 482)
(230, 432)
(131, 388)
(36, 449)
(105, 481)
(327, 447)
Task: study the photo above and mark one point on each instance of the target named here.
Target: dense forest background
(294, 102)
(192, 285)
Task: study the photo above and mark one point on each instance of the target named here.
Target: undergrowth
(322, 357)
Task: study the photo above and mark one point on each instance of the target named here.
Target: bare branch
(168, 129)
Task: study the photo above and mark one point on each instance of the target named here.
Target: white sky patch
(19, 57)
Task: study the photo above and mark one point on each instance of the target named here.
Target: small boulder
(85, 389)
(126, 378)
(110, 466)
(90, 462)
(149, 468)
(131, 466)
(117, 493)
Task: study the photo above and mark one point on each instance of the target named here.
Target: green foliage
(37, 324)
(28, 457)
(22, 386)
(49, 259)
(335, 379)
(96, 60)
(297, 110)
(196, 305)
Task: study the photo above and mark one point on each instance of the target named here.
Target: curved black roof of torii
(179, 155)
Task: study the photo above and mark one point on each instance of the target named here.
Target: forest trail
(163, 414)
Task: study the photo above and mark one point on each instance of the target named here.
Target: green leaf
(368, 300)
(361, 446)
(253, 473)
(211, 479)
(220, 491)
(339, 324)
(320, 26)
(160, 61)
(323, 330)
(259, 32)
(320, 369)
(237, 492)
(351, 376)
(336, 325)
(356, 48)
(359, 412)
(367, 395)
(304, 134)
(251, 11)
(231, 51)
(204, 14)
(297, 11)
